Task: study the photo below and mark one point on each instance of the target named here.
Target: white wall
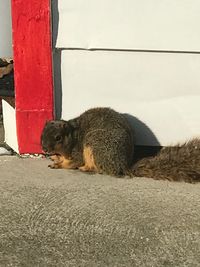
(110, 57)
(5, 29)
(130, 24)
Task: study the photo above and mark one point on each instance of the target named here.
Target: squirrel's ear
(69, 125)
(63, 124)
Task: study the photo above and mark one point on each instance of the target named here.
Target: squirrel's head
(58, 137)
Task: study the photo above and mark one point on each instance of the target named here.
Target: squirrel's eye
(58, 137)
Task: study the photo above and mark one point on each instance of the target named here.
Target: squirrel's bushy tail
(179, 163)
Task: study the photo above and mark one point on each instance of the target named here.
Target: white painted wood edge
(9, 122)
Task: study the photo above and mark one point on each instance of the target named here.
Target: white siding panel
(161, 89)
(129, 24)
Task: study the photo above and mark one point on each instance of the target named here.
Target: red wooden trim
(33, 70)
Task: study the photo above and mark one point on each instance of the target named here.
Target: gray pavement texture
(68, 218)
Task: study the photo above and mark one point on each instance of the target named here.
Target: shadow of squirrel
(101, 140)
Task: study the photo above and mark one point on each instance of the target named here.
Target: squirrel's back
(102, 118)
(179, 163)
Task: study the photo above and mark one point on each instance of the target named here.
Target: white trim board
(9, 122)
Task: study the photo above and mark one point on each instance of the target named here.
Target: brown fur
(101, 140)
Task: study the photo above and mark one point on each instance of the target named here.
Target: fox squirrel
(101, 140)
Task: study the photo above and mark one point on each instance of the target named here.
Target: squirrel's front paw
(54, 166)
(57, 162)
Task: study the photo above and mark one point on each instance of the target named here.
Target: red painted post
(33, 70)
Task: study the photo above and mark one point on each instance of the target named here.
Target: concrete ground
(68, 218)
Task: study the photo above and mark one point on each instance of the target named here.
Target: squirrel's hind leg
(89, 162)
(108, 152)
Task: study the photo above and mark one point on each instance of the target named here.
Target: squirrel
(101, 140)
